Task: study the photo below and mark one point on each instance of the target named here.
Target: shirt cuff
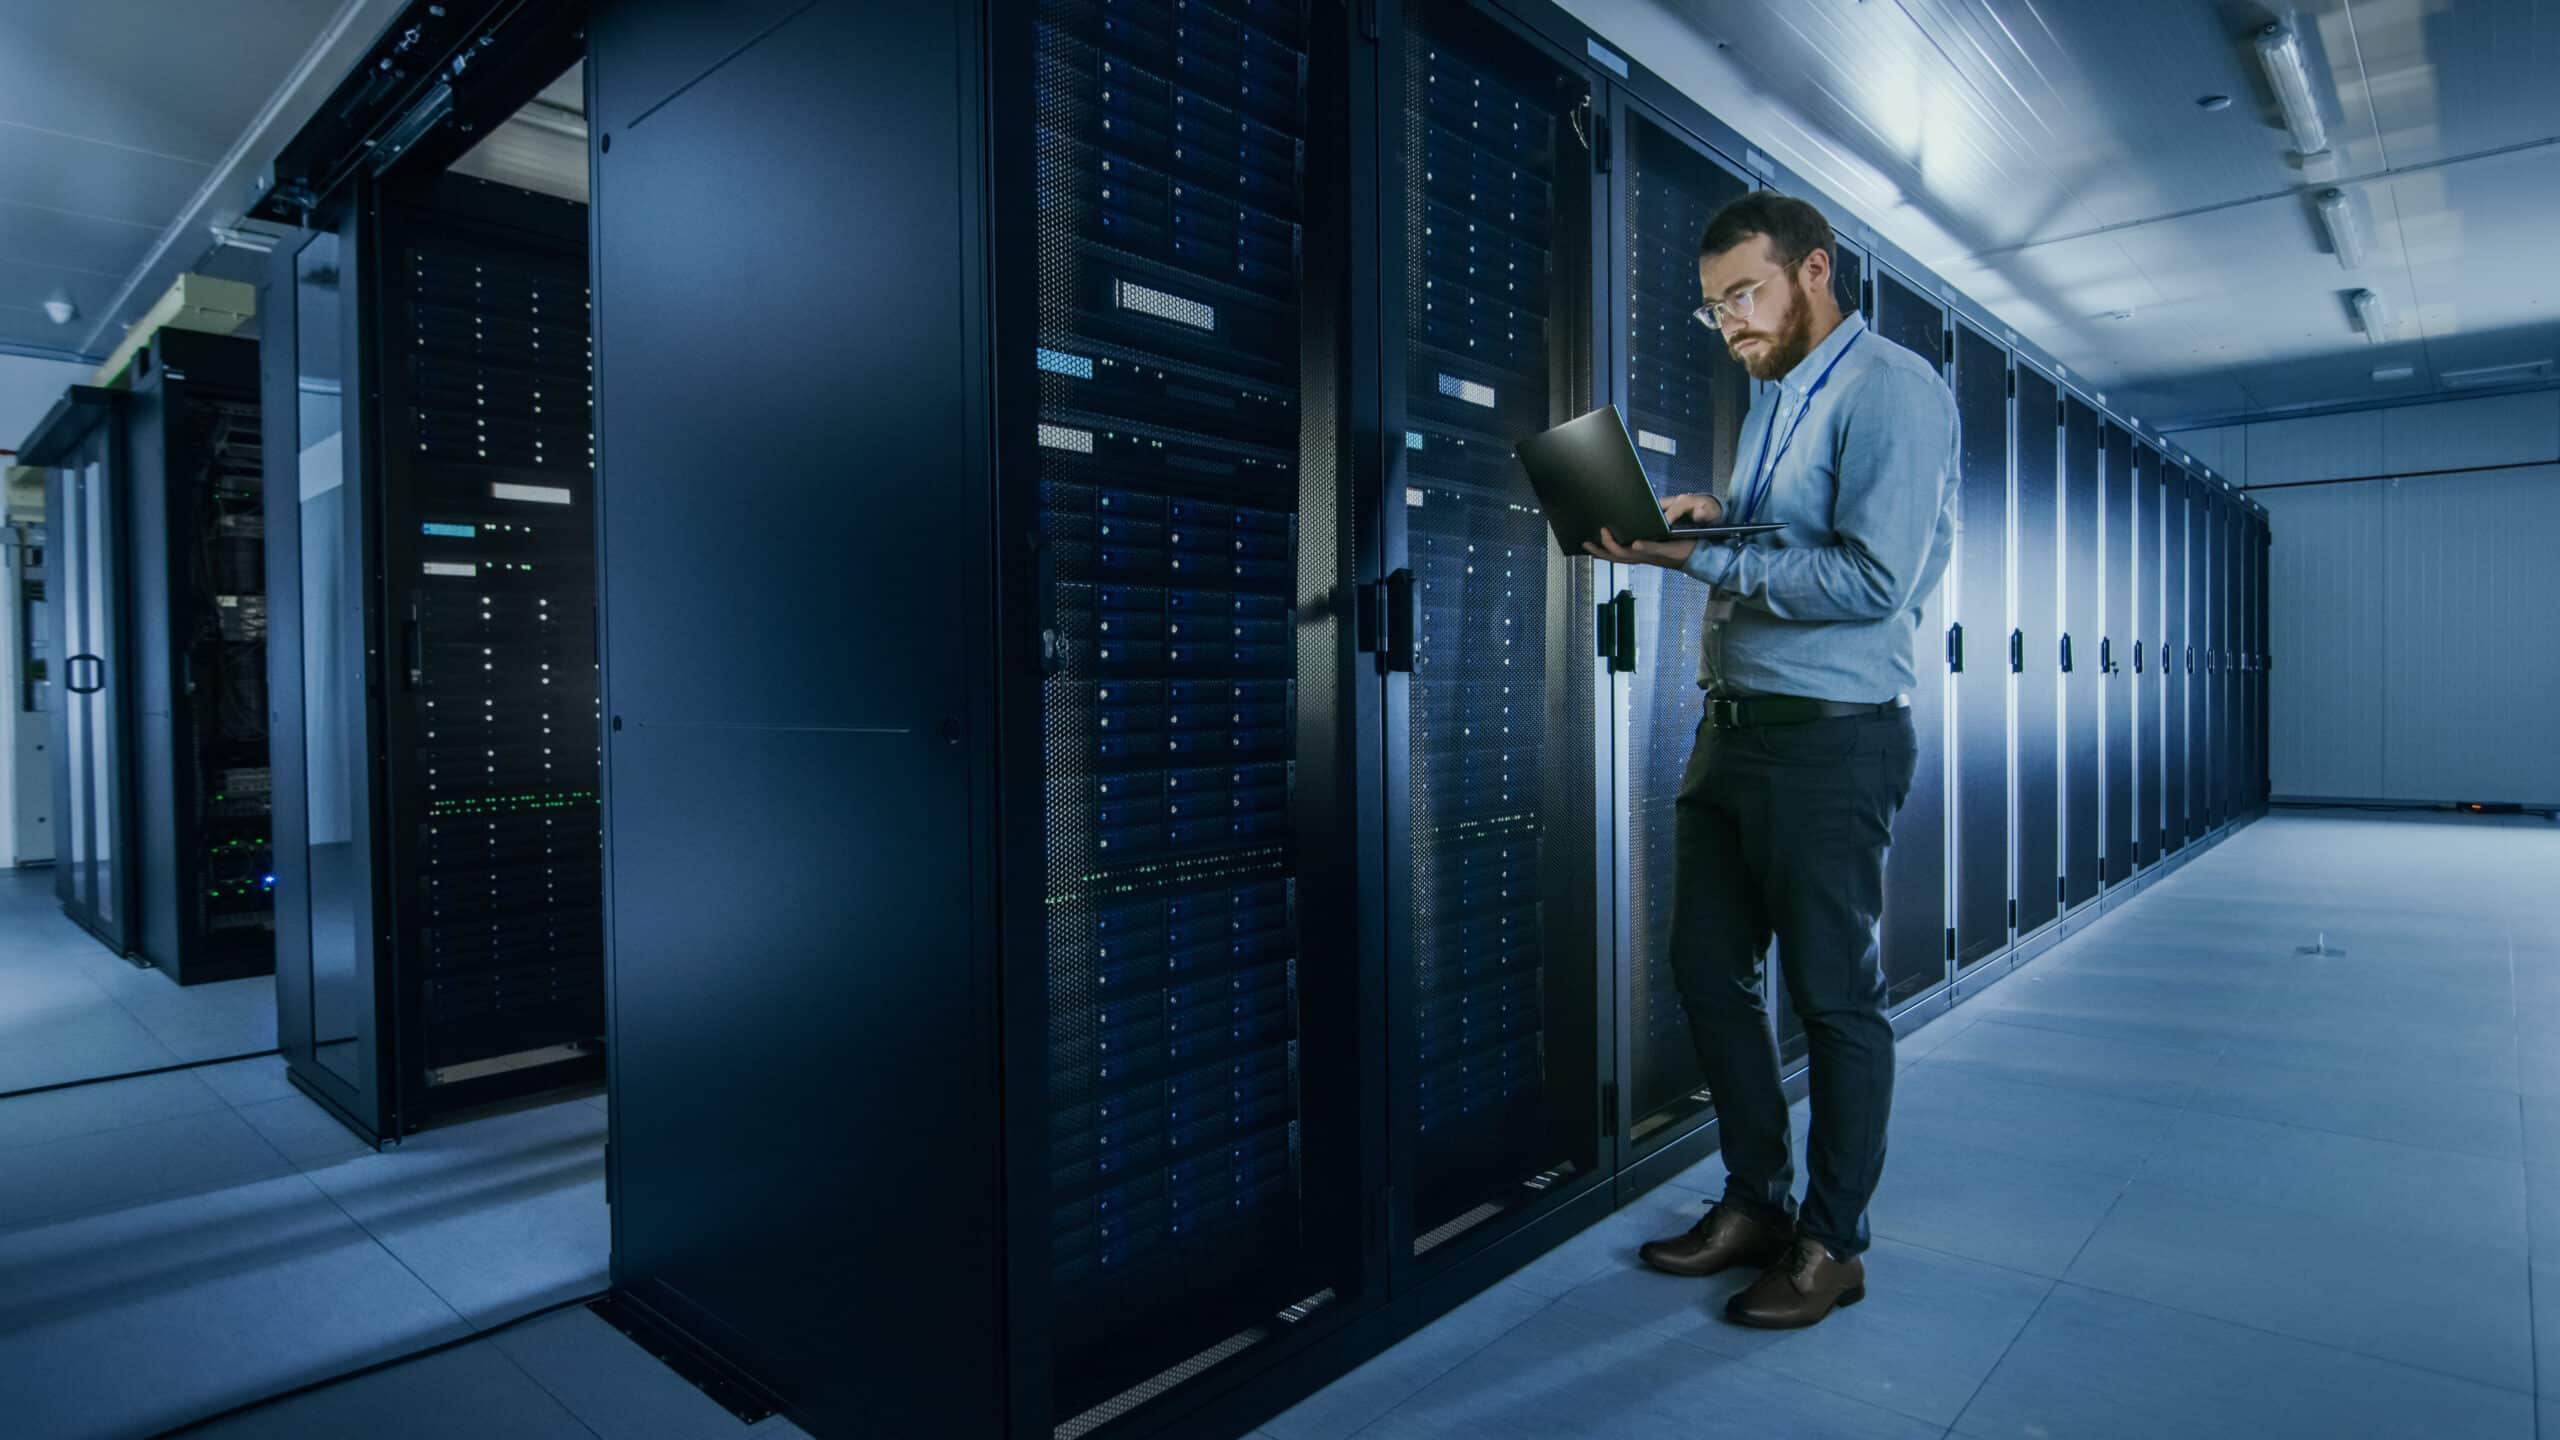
(1711, 561)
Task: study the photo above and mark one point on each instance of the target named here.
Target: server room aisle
(2252, 1156)
(176, 1245)
(71, 1010)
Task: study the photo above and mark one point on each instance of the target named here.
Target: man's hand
(1669, 554)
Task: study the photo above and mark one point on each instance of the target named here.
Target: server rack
(2217, 697)
(2261, 639)
(203, 903)
(2083, 767)
(2115, 645)
(432, 651)
(2182, 623)
(81, 445)
(1684, 396)
(2038, 653)
(1980, 653)
(1493, 771)
(2150, 642)
(1916, 935)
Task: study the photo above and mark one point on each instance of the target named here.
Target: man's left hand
(1669, 554)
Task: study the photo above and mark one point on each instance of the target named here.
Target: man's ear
(1817, 270)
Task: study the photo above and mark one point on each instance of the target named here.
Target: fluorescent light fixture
(2280, 53)
(2338, 217)
(2496, 375)
(2370, 310)
(2385, 374)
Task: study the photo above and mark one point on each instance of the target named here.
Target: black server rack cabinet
(1853, 285)
(2177, 662)
(1980, 651)
(2217, 695)
(2115, 651)
(1916, 935)
(2260, 638)
(80, 444)
(2150, 655)
(2036, 649)
(1684, 397)
(2235, 708)
(1009, 743)
(2084, 836)
(1498, 844)
(203, 903)
(432, 658)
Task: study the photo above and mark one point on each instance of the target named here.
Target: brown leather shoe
(1800, 1290)
(1724, 1238)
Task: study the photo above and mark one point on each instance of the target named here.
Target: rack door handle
(2137, 657)
(71, 675)
(2066, 653)
(2017, 652)
(1955, 648)
(1622, 654)
(1051, 646)
(1403, 620)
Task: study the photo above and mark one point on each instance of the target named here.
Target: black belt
(1738, 712)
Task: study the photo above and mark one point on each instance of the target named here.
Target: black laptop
(1587, 475)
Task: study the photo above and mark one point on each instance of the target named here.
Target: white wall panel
(2326, 712)
(2321, 447)
(2412, 619)
(2492, 430)
(2469, 597)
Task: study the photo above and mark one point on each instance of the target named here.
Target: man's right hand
(1693, 510)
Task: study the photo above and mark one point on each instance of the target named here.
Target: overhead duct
(194, 302)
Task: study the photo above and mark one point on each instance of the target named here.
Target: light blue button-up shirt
(1828, 607)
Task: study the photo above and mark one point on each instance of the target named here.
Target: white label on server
(1467, 390)
(1651, 441)
(1412, 496)
(447, 567)
(1062, 437)
(1166, 307)
(531, 494)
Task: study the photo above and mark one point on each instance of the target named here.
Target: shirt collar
(1797, 380)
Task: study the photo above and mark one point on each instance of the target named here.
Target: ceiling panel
(2049, 159)
(83, 177)
(175, 79)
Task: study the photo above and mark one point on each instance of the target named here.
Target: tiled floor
(70, 1010)
(2173, 1178)
(175, 1245)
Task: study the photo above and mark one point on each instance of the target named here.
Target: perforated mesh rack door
(1981, 717)
(493, 599)
(1187, 492)
(1501, 787)
(1686, 399)
(1914, 932)
(2039, 641)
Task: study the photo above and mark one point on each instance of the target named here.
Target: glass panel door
(1497, 835)
(329, 516)
(1684, 399)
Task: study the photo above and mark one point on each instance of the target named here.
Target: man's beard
(1783, 350)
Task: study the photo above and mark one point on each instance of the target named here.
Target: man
(1806, 750)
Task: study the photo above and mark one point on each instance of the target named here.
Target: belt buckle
(1725, 714)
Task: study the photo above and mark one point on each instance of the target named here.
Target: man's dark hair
(1795, 229)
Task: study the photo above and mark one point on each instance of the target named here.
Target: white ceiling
(2047, 158)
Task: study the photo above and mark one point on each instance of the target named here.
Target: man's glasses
(1738, 305)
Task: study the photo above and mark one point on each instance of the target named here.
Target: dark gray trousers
(1782, 830)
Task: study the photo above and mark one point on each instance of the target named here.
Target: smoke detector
(61, 312)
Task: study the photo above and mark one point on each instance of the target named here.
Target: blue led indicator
(1065, 364)
(452, 532)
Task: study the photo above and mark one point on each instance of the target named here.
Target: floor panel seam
(2363, 1356)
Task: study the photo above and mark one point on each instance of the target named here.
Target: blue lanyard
(1765, 469)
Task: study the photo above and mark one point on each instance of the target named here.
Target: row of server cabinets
(155, 613)
(431, 539)
(1137, 872)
